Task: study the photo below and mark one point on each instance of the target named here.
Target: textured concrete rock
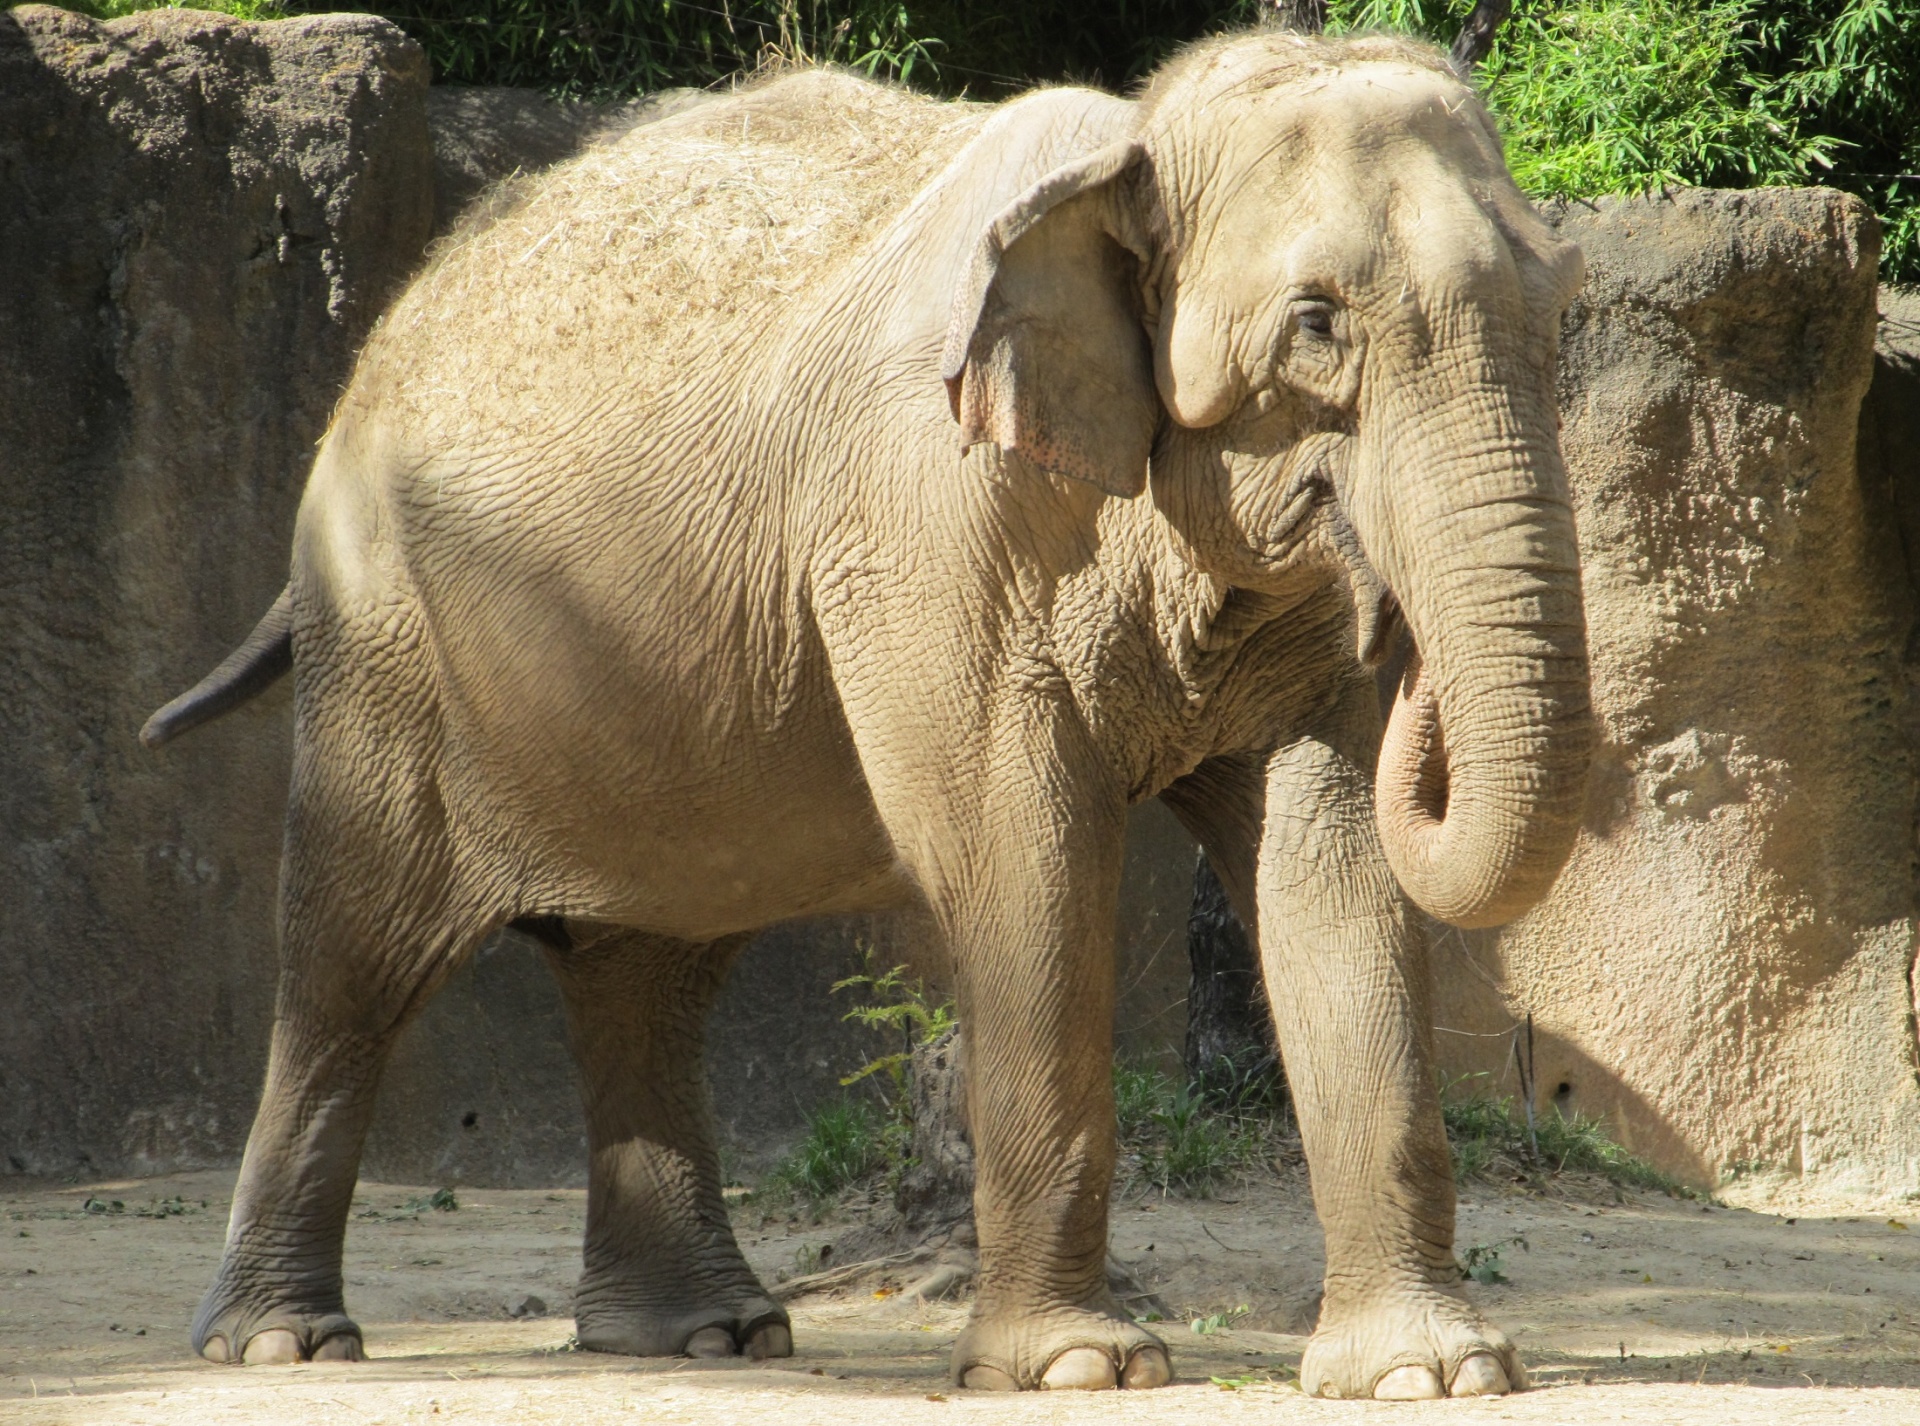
(1724, 969)
(198, 221)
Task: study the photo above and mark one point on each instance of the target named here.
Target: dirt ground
(1644, 1310)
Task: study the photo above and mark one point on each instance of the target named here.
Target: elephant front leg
(663, 1275)
(1346, 973)
(1026, 893)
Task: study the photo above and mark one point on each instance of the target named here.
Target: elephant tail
(259, 663)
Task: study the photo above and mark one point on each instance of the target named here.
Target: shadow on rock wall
(1723, 969)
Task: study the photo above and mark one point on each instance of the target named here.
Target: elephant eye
(1315, 344)
(1317, 320)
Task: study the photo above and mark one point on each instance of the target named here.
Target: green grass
(846, 1141)
(1489, 1133)
(1485, 1262)
(1621, 96)
(902, 1009)
(1600, 96)
(1596, 97)
(1181, 1140)
(1192, 1142)
(1196, 1149)
(614, 48)
(1184, 1139)
(851, 1140)
(441, 1200)
(1139, 1091)
(118, 9)
(1216, 1322)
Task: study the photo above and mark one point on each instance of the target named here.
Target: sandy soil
(1642, 1310)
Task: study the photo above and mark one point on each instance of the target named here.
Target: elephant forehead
(1342, 153)
(1368, 104)
(1381, 105)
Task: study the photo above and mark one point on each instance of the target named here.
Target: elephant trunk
(1482, 773)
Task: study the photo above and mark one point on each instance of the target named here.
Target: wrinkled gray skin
(642, 595)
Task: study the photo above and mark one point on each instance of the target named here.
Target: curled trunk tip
(1476, 844)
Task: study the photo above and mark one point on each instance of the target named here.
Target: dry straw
(666, 245)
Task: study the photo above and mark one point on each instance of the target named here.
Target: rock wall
(199, 219)
(1724, 970)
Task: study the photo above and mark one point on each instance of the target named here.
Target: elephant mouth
(1378, 630)
(1414, 779)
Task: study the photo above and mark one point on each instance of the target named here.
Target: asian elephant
(829, 497)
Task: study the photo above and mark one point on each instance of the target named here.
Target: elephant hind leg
(374, 915)
(348, 986)
(663, 1275)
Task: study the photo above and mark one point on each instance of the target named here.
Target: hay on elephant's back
(674, 236)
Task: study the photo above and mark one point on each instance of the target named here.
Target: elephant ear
(1046, 355)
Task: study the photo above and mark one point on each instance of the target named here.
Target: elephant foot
(753, 1326)
(1063, 1349)
(235, 1336)
(1425, 1346)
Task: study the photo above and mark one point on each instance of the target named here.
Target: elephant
(830, 499)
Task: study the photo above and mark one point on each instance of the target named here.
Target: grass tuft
(1485, 1262)
(120, 9)
(845, 1142)
(851, 1139)
(1489, 1133)
(441, 1200)
(1186, 1140)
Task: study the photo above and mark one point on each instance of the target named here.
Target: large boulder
(1724, 970)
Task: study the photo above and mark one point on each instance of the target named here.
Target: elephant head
(1306, 283)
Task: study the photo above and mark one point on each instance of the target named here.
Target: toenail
(1480, 1375)
(274, 1347)
(215, 1349)
(1079, 1369)
(770, 1339)
(985, 1378)
(341, 1347)
(1409, 1383)
(1146, 1369)
(711, 1342)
